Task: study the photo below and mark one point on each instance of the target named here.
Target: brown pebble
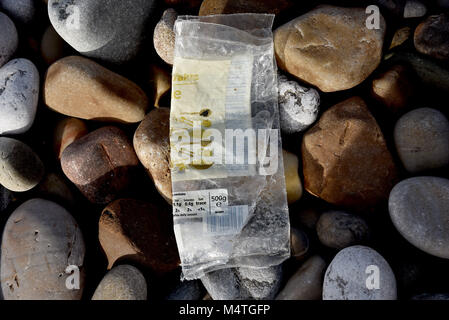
(101, 164)
(141, 232)
(67, 131)
(432, 36)
(209, 7)
(345, 158)
(81, 88)
(152, 144)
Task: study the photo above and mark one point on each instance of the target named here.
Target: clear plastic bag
(229, 213)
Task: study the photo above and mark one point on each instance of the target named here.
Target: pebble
(345, 157)
(152, 144)
(338, 229)
(52, 46)
(330, 34)
(243, 283)
(394, 88)
(187, 290)
(164, 36)
(113, 32)
(432, 37)
(9, 39)
(298, 106)
(5, 198)
(348, 274)
(418, 209)
(40, 240)
(400, 36)
(19, 95)
(414, 9)
(306, 283)
(139, 231)
(20, 168)
(160, 82)
(54, 187)
(292, 180)
(299, 243)
(209, 7)
(422, 140)
(81, 88)
(67, 131)
(21, 11)
(123, 282)
(431, 73)
(101, 164)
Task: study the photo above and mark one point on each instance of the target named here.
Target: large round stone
(419, 210)
(315, 47)
(41, 240)
(359, 273)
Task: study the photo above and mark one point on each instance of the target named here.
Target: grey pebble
(298, 106)
(164, 36)
(123, 282)
(40, 240)
(9, 39)
(19, 95)
(422, 140)
(338, 230)
(306, 283)
(20, 168)
(419, 210)
(348, 276)
(243, 283)
(414, 9)
(110, 30)
(21, 11)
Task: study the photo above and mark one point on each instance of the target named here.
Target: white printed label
(212, 206)
(230, 222)
(199, 203)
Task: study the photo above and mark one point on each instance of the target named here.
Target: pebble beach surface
(85, 170)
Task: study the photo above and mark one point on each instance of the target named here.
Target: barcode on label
(229, 223)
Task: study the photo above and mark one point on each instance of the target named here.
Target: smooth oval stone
(419, 210)
(330, 34)
(123, 282)
(101, 164)
(348, 276)
(432, 36)
(110, 30)
(19, 94)
(414, 9)
(164, 36)
(337, 229)
(299, 243)
(40, 240)
(52, 46)
(243, 283)
(67, 131)
(422, 140)
(81, 88)
(9, 39)
(141, 232)
(298, 106)
(152, 144)
(20, 168)
(187, 290)
(306, 283)
(22, 11)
